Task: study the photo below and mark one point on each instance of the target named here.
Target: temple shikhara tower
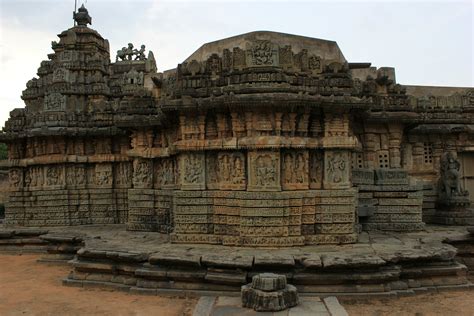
(261, 139)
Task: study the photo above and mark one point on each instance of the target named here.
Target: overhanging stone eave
(62, 131)
(443, 128)
(267, 100)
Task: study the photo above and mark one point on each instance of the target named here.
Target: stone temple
(261, 139)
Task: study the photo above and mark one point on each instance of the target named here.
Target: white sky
(428, 42)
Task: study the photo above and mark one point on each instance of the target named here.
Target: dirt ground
(446, 304)
(31, 288)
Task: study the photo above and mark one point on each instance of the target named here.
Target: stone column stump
(269, 292)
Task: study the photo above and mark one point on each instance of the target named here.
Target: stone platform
(380, 263)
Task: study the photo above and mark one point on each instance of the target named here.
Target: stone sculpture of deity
(450, 184)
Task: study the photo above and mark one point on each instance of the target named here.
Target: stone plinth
(396, 205)
(269, 292)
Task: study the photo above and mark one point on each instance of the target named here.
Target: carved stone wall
(256, 140)
(244, 218)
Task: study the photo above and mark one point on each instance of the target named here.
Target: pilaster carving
(316, 167)
(123, 174)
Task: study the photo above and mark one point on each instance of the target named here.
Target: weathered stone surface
(172, 259)
(352, 260)
(269, 292)
(274, 261)
(259, 140)
(268, 282)
(232, 261)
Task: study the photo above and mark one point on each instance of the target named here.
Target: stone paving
(231, 306)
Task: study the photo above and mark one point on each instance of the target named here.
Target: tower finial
(82, 17)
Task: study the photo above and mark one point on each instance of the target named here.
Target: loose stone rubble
(269, 292)
(262, 139)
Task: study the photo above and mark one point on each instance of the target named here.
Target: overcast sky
(428, 42)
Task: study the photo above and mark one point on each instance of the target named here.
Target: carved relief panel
(54, 175)
(103, 175)
(123, 174)
(262, 53)
(165, 173)
(231, 171)
(192, 171)
(336, 169)
(316, 166)
(34, 177)
(142, 173)
(294, 170)
(54, 102)
(264, 171)
(76, 175)
(15, 177)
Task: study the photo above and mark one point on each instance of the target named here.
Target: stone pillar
(370, 150)
(394, 141)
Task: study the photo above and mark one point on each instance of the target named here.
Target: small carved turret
(82, 17)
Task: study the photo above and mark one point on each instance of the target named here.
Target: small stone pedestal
(269, 292)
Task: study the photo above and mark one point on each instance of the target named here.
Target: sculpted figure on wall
(336, 169)
(264, 169)
(262, 53)
(103, 174)
(53, 175)
(238, 171)
(142, 173)
(55, 102)
(192, 171)
(123, 173)
(450, 184)
(301, 169)
(224, 167)
(15, 178)
(76, 175)
(295, 170)
(231, 171)
(288, 168)
(165, 173)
